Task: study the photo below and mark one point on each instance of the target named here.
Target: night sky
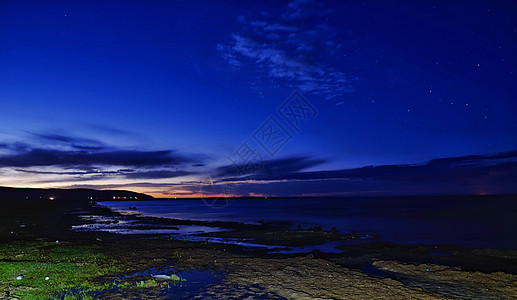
(264, 98)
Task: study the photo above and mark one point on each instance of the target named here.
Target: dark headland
(69, 195)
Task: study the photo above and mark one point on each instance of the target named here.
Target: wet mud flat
(361, 267)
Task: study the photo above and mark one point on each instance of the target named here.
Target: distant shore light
(51, 198)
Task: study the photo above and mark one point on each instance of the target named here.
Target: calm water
(478, 221)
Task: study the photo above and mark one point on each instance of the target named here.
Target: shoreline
(473, 223)
(385, 268)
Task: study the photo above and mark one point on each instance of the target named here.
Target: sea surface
(487, 221)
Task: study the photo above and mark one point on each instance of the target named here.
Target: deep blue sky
(157, 97)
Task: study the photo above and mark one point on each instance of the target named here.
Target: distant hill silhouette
(67, 195)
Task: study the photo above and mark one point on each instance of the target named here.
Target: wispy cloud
(125, 185)
(453, 168)
(157, 174)
(74, 142)
(72, 158)
(57, 160)
(294, 46)
(275, 167)
(123, 173)
(46, 157)
(456, 175)
(13, 147)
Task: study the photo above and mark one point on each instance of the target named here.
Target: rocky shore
(369, 269)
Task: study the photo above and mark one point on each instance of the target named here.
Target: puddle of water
(149, 272)
(193, 283)
(374, 272)
(326, 248)
(329, 247)
(196, 281)
(197, 229)
(229, 241)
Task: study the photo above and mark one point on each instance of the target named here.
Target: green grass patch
(66, 267)
(147, 283)
(176, 278)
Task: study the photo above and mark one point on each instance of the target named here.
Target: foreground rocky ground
(374, 270)
(317, 276)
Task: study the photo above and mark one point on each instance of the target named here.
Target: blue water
(477, 221)
(191, 284)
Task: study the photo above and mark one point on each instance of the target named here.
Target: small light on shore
(51, 198)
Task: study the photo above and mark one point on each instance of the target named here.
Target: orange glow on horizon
(190, 196)
(256, 195)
